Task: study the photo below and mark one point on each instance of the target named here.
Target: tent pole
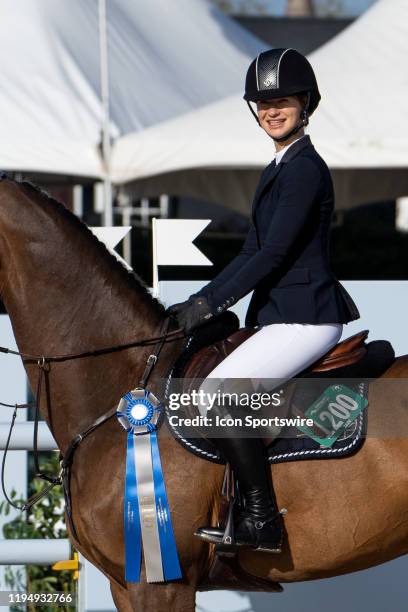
(106, 145)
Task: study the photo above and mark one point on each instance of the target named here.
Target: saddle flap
(207, 358)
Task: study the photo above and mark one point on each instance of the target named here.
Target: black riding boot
(259, 524)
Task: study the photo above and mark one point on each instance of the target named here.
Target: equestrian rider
(297, 303)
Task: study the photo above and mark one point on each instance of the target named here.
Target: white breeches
(275, 351)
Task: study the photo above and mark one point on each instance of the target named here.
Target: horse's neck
(62, 297)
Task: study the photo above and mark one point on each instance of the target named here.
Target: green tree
(330, 8)
(243, 7)
(45, 520)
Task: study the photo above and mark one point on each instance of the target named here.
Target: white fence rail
(22, 436)
(39, 552)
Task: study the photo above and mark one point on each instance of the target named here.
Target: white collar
(281, 153)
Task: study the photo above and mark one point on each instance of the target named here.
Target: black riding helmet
(277, 73)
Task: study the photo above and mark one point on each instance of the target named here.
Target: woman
(298, 304)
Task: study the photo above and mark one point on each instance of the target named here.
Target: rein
(93, 353)
(43, 362)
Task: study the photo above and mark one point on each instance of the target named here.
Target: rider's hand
(194, 312)
(179, 307)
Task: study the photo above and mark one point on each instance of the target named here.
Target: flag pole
(106, 145)
(155, 287)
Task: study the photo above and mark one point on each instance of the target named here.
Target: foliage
(329, 8)
(45, 520)
(243, 7)
(279, 8)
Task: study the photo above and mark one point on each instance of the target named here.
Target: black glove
(179, 307)
(194, 312)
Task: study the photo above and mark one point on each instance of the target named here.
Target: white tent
(360, 125)
(206, 154)
(164, 58)
(362, 119)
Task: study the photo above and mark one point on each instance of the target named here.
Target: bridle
(66, 459)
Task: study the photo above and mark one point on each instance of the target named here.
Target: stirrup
(228, 545)
(225, 540)
(230, 489)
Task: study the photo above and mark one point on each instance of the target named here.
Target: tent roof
(357, 125)
(165, 59)
(361, 122)
(221, 135)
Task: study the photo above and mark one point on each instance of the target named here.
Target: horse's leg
(170, 597)
(121, 598)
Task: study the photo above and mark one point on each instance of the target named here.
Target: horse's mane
(132, 279)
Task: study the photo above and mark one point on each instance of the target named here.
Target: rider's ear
(303, 101)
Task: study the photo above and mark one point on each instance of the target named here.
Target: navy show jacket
(285, 256)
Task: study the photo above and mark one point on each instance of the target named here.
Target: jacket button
(219, 308)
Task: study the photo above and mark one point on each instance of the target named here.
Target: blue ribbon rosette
(146, 510)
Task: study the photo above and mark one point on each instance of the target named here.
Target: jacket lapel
(273, 170)
(295, 148)
(270, 173)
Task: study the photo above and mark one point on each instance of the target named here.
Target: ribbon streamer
(146, 510)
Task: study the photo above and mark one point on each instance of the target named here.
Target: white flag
(111, 236)
(173, 239)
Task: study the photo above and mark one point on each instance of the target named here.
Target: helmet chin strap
(304, 116)
(253, 112)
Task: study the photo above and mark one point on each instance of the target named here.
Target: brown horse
(65, 293)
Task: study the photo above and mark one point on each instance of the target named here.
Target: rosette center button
(139, 412)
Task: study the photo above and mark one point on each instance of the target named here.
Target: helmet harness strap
(253, 112)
